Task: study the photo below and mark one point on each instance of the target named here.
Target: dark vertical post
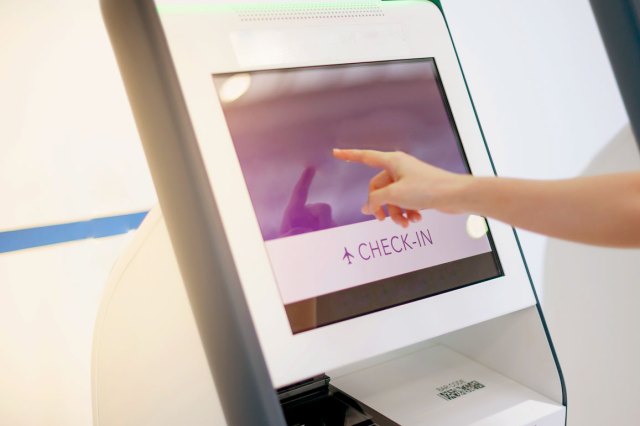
(619, 23)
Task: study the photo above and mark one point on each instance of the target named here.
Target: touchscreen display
(330, 261)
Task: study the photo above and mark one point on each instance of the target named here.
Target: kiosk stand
(298, 309)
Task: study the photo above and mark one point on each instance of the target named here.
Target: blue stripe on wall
(46, 235)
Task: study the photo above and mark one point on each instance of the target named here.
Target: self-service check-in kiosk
(298, 308)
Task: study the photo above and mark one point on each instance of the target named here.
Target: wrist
(462, 193)
(455, 194)
(474, 197)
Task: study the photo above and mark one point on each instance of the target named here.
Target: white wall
(69, 145)
(546, 98)
(68, 151)
(550, 108)
(543, 87)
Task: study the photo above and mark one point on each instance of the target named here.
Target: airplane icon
(348, 256)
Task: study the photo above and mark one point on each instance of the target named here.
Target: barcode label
(458, 388)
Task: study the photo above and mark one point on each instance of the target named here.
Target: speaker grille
(313, 11)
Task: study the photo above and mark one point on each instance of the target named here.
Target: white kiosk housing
(290, 288)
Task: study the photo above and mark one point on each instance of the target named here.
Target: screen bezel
(463, 157)
(200, 45)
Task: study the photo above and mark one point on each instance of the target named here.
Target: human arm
(600, 210)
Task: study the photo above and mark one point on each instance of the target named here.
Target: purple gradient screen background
(287, 122)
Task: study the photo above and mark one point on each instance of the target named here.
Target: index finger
(369, 157)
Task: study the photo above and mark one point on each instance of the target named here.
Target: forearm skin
(600, 210)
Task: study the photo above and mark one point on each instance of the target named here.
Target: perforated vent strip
(313, 11)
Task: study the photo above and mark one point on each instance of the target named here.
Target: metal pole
(619, 23)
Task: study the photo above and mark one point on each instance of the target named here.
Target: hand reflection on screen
(300, 217)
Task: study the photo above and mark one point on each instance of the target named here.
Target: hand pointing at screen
(405, 185)
(602, 210)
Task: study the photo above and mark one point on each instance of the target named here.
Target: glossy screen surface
(330, 261)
